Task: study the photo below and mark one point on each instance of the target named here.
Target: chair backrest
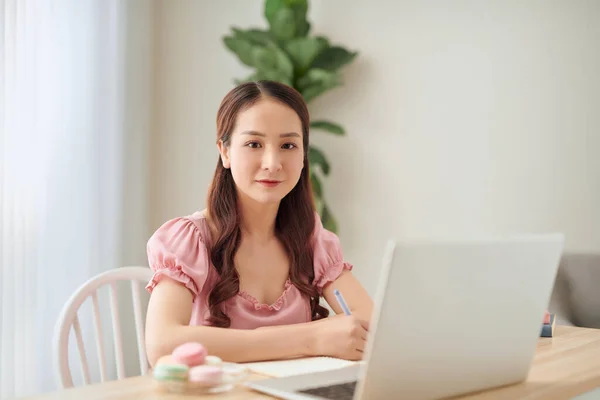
(69, 318)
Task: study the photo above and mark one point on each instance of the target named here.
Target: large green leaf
(271, 63)
(316, 184)
(271, 8)
(316, 76)
(319, 203)
(284, 64)
(324, 41)
(303, 51)
(328, 220)
(317, 158)
(315, 91)
(333, 58)
(283, 26)
(302, 28)
(274, 75)
(302, 4)
(328, 126)
(241, 47)
(316, 191)
(254, 36)
(264, 58)
(316, 82)
(298, 8)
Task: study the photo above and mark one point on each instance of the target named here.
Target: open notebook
(282, 368)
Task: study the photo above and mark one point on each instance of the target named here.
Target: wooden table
(564, 366)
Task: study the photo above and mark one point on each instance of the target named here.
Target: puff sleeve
(328, 259)
(177, 250)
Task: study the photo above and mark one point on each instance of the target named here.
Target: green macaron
(171, 372)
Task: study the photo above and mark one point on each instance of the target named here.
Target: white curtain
(64, 143)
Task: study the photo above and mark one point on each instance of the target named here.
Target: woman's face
(265, 151)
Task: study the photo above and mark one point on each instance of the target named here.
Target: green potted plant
(287, 53)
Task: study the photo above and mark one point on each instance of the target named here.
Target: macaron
(212, 360)
(205, 375)
(190, 354)
(233, 373)
(171, 372)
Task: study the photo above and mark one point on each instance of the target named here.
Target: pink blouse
(177, 249)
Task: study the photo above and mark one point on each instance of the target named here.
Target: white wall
(139, 45)
(464, 118)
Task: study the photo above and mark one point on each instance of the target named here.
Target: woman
(245, 276)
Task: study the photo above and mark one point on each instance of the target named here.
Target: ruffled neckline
(276, 306)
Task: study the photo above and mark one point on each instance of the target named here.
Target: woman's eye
(289, 146)
(253, 145)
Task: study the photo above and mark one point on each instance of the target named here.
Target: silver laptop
(451, 317)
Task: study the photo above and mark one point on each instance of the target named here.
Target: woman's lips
(269, 182)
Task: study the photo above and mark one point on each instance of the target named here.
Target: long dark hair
(295, 221)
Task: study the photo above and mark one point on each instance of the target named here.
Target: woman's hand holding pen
(340, 336)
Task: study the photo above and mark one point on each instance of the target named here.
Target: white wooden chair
(69, 318)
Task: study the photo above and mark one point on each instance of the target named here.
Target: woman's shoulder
(177, 249)
(185, 230)
(328, 257)
(200, 220)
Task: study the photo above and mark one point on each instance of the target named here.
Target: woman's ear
(224, 151)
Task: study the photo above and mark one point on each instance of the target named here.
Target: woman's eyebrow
(256, 133)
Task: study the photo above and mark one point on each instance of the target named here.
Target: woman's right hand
(341, 336)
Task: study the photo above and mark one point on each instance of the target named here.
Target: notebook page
(282, 368)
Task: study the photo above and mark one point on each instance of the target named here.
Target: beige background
(465, 118)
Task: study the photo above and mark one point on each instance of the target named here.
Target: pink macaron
(205, 375)
(190, 354)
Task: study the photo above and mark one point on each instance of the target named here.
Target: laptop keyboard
(340, 391)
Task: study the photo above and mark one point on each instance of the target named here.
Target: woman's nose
(271, 160)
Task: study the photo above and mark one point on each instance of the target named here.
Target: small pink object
(205, 375)
(546, 317)
(190, 354)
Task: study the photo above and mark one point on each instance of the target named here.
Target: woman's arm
(167, 326)
(358, 300)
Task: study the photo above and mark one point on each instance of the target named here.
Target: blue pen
(342, 302)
